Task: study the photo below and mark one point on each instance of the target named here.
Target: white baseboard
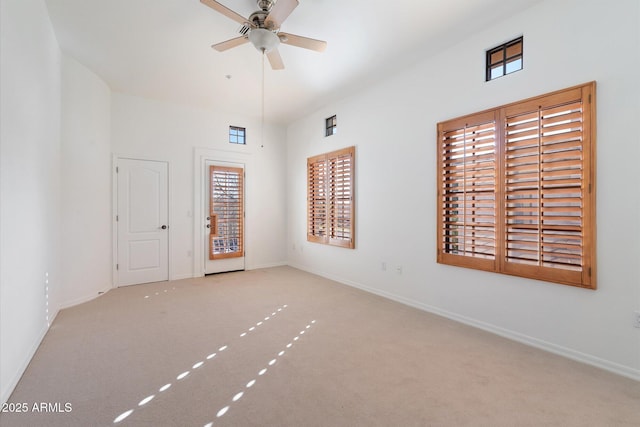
(182, 276)
(86, 298)
(268, 265)
(7, 389)
(569, 353)
(247, 267)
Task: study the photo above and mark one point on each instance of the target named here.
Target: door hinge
(117, 218)
(117, 169)
(117, 266)
(589, 98)
(589, 271)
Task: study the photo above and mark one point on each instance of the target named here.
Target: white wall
(86, 183)
(156, 130)
(393, 125)
(29, 183)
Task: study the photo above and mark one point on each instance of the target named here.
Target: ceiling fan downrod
(265, 5)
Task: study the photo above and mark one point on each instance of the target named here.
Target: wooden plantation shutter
(340, 196)
(330, 198)
(548, 188)
(543, 188)
(467, 191)
(317, 199)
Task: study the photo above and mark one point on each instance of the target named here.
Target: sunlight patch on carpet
(123, 416)
(197, 365)
(146, 400)
(263, 371)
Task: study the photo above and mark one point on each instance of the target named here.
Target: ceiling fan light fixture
(264, 40)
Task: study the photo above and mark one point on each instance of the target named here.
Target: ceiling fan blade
(226, 45)
(279, 12)
(275, 60)
(305, 42)
(225, 11)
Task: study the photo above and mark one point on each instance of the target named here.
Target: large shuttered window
(516, 189)
(330, 198)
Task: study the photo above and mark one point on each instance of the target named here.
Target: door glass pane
(226, 211)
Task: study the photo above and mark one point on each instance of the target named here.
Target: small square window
(331, 126)
(237, 135)
(504, 59)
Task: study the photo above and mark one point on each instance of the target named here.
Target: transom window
(237, 135)
(516, 189)
(331, 126)
(504, 59)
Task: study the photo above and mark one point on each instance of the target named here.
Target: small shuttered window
(330, 198)
(516, 189)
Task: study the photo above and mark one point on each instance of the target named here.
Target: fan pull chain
(262, 112)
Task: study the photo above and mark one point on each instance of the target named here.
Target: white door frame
(114, 213)
(200, 156)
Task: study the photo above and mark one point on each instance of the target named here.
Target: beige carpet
(281, 347)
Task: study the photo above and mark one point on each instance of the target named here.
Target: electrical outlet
(399, 269)
(636, 319)
(383, 266)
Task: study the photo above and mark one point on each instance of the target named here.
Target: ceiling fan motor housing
(258, 18)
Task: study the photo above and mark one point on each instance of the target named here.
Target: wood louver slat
(330, 198)
(226, 238)
(516, 185)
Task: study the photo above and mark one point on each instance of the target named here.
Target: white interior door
(224, 217)
(142, 221)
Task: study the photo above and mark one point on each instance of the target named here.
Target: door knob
(164, 227)
(208, 225)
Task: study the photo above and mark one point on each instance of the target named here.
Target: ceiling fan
(262, 29)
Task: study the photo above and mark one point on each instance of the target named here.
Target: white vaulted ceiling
(160, 49)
